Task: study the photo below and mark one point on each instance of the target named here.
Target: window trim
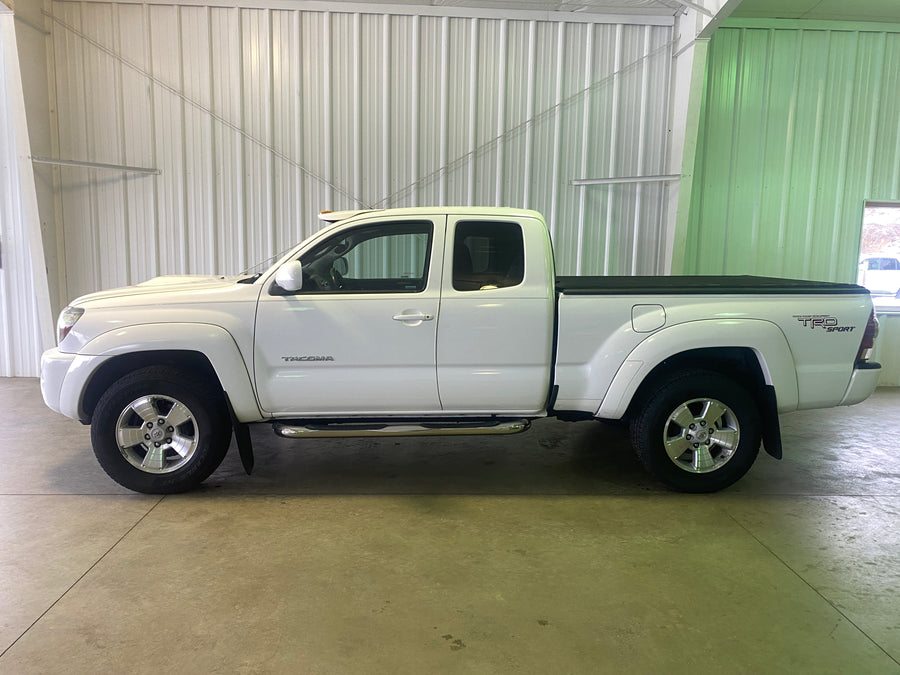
(483, 221)
(382, 228)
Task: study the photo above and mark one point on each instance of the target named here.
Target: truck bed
(701, 285)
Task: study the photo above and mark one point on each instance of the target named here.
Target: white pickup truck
(451, 321)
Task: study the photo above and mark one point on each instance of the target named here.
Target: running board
(388, 429)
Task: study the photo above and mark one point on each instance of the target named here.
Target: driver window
(384, 258)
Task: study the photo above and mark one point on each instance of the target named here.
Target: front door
(359, 338)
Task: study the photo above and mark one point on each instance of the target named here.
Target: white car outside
(880, 273)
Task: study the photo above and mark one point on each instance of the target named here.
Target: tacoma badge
(307, 358)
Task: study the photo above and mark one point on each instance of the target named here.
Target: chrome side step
(388, 429)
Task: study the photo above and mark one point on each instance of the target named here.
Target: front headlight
(67, 319)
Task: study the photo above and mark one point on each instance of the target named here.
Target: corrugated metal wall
(799, 128)
(23, 299)
(259, 118)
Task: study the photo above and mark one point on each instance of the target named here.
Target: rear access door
(495, 329)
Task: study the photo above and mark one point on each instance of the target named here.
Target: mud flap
(771, 435)
(242, 438)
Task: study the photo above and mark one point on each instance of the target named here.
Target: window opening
(879, 254)
(383, 258)
(487, 255)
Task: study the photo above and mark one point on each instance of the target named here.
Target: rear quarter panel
(806, 344)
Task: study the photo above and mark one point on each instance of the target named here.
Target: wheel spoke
(155, 459)
(179, 414)
(129, 436)
(676, 446)
(145, 408)
(181, 444)
(682, 416)
(712, 412)
(727, 438)
(702, 459)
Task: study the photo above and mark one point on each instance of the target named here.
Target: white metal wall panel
(18, 310)
(24, 298)
(259, 118)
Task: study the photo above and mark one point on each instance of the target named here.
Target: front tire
(160, 430)
(698, 431)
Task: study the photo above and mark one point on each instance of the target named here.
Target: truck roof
(481, 211)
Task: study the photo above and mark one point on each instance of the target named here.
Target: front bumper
(54, 367)
(862, 382)
(64, 378)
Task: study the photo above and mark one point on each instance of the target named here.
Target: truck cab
(416, 314)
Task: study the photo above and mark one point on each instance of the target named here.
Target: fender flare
(213, 342)
(764, 338)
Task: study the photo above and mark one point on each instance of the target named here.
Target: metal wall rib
(259, 118)
(800, 127)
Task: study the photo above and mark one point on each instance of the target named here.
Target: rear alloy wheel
(697, 432)
(158, 430)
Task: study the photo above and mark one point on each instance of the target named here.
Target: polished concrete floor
(548, 552)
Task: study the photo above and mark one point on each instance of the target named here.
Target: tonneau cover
(700, 285)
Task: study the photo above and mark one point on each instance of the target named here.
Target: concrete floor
(546, 552)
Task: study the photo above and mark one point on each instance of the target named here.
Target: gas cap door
(647, 318)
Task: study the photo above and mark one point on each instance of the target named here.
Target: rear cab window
(487, 255)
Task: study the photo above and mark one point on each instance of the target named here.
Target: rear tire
(160, 430)
(698, 431)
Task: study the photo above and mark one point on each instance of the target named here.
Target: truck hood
(170, 288)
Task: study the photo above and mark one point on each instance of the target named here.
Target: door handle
(413, 316)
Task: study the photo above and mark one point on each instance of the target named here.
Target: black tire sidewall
(648, 427)
(206, 406)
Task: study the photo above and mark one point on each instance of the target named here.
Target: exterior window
(879, 255)
(384, 258)
(487, 255)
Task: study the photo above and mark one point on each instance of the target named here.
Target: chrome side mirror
(290, 276)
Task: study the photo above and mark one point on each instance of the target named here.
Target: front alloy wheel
(157, 434)
(160, 430)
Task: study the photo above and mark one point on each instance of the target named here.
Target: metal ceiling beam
(696, 7)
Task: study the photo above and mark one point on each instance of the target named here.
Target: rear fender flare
(764, 338)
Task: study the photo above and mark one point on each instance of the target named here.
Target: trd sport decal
(824, 321)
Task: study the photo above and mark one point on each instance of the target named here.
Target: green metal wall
(800, 125)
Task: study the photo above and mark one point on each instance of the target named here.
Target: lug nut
(161, 422)
(168, 440)
(696, 445)
(157, 445)
(149, 425)
(689, 437)
(146, 437)
(702, 424)
(170, 429)
(693, 426)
